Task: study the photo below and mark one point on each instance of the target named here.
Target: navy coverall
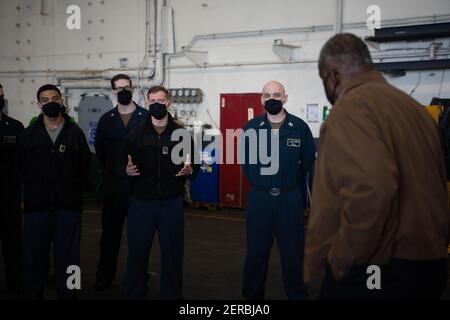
(10, 215)
(279, 212)
(109, 139)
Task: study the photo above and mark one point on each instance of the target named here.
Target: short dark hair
(156, 89)
(1, 85)
(345, 49)
(47, 87)
(118, 77)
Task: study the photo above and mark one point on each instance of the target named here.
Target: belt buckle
(275, 191)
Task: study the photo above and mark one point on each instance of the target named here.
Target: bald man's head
(273, 90)
(274, 86)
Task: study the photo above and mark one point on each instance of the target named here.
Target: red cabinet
(235, 111)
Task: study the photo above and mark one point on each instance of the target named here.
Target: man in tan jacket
(379, 224)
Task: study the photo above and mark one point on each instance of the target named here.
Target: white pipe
(244, 34)
(356, 25)
(146, 73)
(150, 34)
(83, 84)
(106, 75)
(255, 33)
(279, 62)
(157, 76)
(338, 22)
(152, 23)
(68, 71)
(240, 64)
(159, 63)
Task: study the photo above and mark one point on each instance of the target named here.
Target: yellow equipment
(435, 111)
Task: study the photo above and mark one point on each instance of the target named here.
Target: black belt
(276, 191)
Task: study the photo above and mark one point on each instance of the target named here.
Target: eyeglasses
(276, 95)
(118, 89)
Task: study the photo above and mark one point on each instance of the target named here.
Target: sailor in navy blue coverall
(275, 204)
(112, 128)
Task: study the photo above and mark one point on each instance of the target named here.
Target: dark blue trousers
(280, 216)
(144, 218)
(41, 228)
(114, 211)
(11, 233)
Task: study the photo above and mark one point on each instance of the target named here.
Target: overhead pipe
(155, 78)
(245, 34)
(339, 11)
(101, 78)
(254, 33)
(313, 28)
(240, 64)
(158, 75)
(315, 60)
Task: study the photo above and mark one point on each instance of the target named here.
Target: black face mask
(52, 109)
(124, 97)
(2, 102)
(273, 106)
(158, 110)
